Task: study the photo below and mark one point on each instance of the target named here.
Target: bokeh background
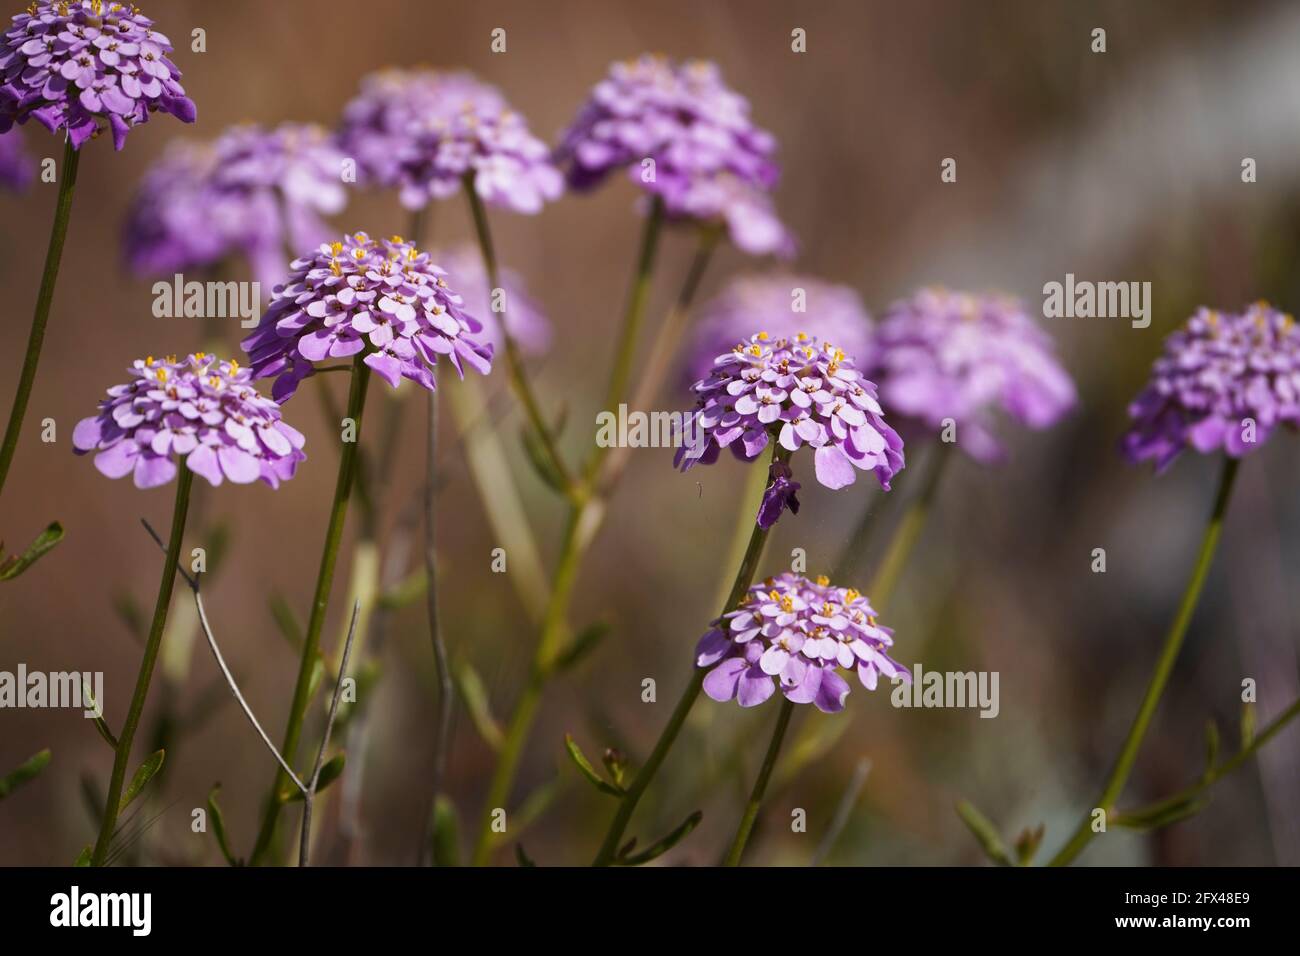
(1117, 166)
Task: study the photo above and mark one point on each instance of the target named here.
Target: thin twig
(310, 793)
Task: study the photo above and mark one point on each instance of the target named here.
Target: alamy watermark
(636, 429)
(208, 300)
(949, 689)
(55, 689)
(1102, 300)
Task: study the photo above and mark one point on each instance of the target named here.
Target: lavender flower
(796, 634)
(382, 297)
(524, 319)
(251, 192)
(799, 392)
(833, 313)
(424, 132)
(711, 163)
(199, 409)
(942, 355)
(77, 64)
(1224, 382)
(17, 168)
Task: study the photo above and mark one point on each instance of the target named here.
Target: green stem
(514, 360)
(320, 602)
(908, 532)
(760, 786)
(44, 298)
(525, 710)
(1083, 833)
(627, 805)
(123, 750)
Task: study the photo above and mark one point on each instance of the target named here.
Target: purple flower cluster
(833, 313)
(73, 64)
(423, 132)
(17, 168)
(251, 192)
(383, 297)
(796, 633)
(954, 355)
(799, 392)
(199, 409)
(524, 319)
(1224, 382)
(710, 162)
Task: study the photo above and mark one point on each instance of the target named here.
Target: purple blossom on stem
(75, 65)
(833, 313)
(200, 410)
(423, 132)
(955, 355)
(1224, 382)
(524, 318)
(796, 634)
(17, 168)
(381, 297)
(711, 164)
(779, 495)
(251, 192)
(798, 392)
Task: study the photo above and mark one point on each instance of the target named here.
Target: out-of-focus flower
(797, 391)
(17, 168)
(74, 65)
(796, 634)
(383, 297)
(525, 321)
(1224, 382)
(251, 192)
(955, 355)
(833, 313)
(685, 137)
(423, 132)
(198, 409)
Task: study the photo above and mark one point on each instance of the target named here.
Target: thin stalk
(760, 785)
(442, 725)
(44, 298)
(514, 359)
(627, 804)
(124, 738)
(908, 532)
(1083, 833)
(320, 602)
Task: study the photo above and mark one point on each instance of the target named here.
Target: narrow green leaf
(330, 771)
(616, 763)
(15, 565)
(661, 847)
(128, 612)
(987, 835)
(444, 834)
(537, 457)
(219, 826)
(582, 645)
(1161, 814)
(217, 545)
(522, 857)
(317, 676)
(101, 724)
(584, 766)
(142, 777)
(473, 693)
(1027, 844)
(23, 772)
(538, 802)
(1247, 725)
(83, 858)
(286, 622)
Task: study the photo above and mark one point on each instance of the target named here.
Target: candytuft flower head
(833, 313)
(423, 132)
(955, 355)
(796, 634)
(202, 203)
(381, 297)
(199, 409)
(796, 391)
(685, 137)
(525, 321)
(83, 65)
(1224, 382)
(17, 168)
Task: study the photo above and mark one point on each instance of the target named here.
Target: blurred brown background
(1119, 166)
